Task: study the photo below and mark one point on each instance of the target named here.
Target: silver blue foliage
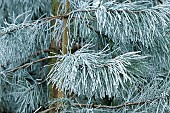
(124, 55)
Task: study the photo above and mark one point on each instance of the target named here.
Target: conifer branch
(123, 105)
(111, 107)
(74, 48)
(65, 16)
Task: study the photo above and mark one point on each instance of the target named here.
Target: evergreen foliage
(122, 63)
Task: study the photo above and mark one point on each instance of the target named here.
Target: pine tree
(84, 56)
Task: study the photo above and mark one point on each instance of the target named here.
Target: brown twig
(123, 105)
(115, 107)
(47, 110)
(29, 64)
(33, 23)
(74, 48)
